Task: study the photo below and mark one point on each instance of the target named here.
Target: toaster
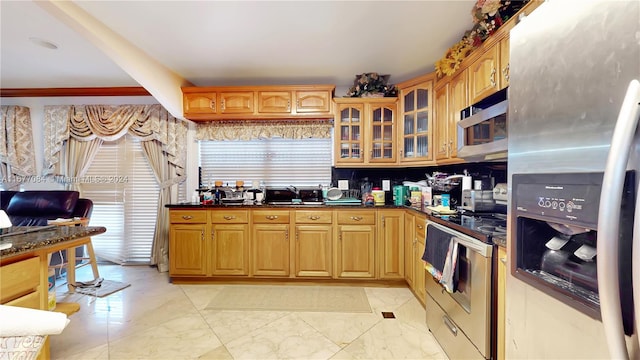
(478, 200)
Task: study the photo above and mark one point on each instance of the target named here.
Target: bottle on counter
(416, 198)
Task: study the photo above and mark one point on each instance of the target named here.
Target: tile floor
(155, 319)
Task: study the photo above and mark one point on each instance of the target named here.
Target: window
(125, 202)
(277, 162)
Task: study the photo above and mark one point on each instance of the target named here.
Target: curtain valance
(263, 129)
(108, 123)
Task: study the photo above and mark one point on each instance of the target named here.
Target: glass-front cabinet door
(416, 130)
(383, 133)
(348, 133)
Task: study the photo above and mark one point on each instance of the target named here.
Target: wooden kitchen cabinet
(188, 249)
(390, 244)
(409, 248)
(230, 242)
(313, 243)
(355, 244)
(270, 243)
(441, 140)
(504, 62)
(458, 100)
(365, 131)
(416, 110)
(188, 242)
(420, 274)
(218, 103)
(484, 79)
(258, 102)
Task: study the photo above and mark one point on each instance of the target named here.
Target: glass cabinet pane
(423, 146)
(377, 115)
(388, 133)
(388, 151)
(408, 124)
(344, 116)
(408, 102)
(388, 116)
(377, 133)
(408, 147)
(344, 132)
(422, 120)
(423, 99)
(355, 133)
(355, 151)
(355, 115)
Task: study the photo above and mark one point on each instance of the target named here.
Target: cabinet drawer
(19, 279)
(229, 216)
(270, 216)
(313, 217)
(188, 216)
(356, 217)
(31, 301)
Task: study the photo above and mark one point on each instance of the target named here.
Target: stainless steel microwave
(482, 136)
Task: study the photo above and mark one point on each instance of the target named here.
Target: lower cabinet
(390, 244)
(187, 246)
(419, 278)
(270, 243)
(313, 243)
(409, 248)
(230, 249)
(355, 244)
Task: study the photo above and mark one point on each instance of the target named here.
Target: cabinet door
(274, 102)
(348, 134)
(355, 252)
(187, 249)
(236, 102)
(420, 288)
(230, 249)
(458, 100)
(502, 282)
(313, 102)
(483, 75)
(391, 244)
(409, 248)
(313, 250)
(504, 62)
(415, 134)
(270, 250)
(441, 139)
(383, 133)
(200, 103)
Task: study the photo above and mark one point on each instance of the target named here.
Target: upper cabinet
(484, 79)
(504, 62)
(416, 111)
(258, 102)
(365, 131)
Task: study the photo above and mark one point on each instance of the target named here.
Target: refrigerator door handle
(608, 224)
(636, 266)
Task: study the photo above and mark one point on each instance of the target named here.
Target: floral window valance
(110, 122)
(252, 130)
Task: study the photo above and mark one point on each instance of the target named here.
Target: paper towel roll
(18, 321)
(466, 182)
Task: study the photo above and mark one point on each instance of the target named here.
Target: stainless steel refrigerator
(573, 172)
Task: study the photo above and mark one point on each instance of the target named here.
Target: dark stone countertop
(22, 242)
(270, 206)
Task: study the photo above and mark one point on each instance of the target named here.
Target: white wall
(36, 107)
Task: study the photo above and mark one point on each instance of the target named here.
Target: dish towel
(441, 257)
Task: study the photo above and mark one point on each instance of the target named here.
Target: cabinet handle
(314, 217)
(505, 72)
(286, 235)
(383, 222)
(272, 217)
(213, 234)
(298, 103)
(297, 236)
(223, 105)
(288, 105)
(229, 217)
(450, 326)
(356, 218)
(492, 77)
(340, 237)
(212, 105)
(187, 217)
(420, 226)
(504, 260)
(202, 235)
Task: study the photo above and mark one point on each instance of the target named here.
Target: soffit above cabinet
(258, 102)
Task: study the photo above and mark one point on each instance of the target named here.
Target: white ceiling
(235, 42)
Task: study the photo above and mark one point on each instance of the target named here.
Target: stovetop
(489, 225)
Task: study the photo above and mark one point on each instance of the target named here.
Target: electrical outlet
(343, 184)
(386, 185)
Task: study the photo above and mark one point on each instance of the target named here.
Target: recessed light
(44, 43)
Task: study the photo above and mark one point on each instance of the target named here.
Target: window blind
(125, 202)
(277, 162)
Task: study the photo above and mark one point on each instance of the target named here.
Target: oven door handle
(473, 244)
(449, 324)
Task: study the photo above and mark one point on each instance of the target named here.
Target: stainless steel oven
(461, 320)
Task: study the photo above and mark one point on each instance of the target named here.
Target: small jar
(378, 196)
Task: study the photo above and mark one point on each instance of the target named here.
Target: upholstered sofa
(36, 207)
